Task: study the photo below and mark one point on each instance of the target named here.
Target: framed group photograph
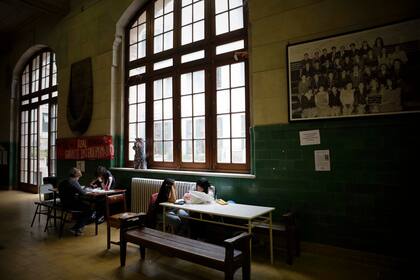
(364, 73)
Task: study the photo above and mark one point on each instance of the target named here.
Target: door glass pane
(43, 140)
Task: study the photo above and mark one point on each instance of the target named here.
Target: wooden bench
(228, 258)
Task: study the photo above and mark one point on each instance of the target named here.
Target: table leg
(250, 240)
(164, 218)
(271, 239)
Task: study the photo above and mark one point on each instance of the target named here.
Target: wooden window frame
(209, 64)
(50, 89)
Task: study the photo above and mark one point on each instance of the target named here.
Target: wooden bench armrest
(131, 221)
(240, 242)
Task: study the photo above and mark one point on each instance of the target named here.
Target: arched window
(38, 118)
(187, 85)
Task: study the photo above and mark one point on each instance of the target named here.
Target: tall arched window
(187, 85)
(38, 118)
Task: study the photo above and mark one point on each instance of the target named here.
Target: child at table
(202, 185)
(167, 193)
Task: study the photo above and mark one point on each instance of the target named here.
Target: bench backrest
(143, 188)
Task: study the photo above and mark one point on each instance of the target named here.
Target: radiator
(143, 188)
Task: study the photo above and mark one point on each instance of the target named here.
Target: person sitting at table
(71, 196)
(103, 179)
(202, 185)
(167, 193)
(197, 229)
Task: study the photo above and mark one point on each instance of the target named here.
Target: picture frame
(363, 73)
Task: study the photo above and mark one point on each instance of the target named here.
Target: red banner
(80, 148)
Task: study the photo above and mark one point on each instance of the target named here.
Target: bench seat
(224, 258)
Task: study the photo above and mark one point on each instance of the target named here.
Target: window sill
(193, 173)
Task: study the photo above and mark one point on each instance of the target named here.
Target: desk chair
(43, 205)
(116, 211)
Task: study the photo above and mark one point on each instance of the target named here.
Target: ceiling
(15, 14)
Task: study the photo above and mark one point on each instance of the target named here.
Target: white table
(249, 213)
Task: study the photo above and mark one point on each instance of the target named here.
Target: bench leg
(123, 248)
(229, 275)
(108, 236)
(142, 252)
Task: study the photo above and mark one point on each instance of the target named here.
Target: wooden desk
(249, 213)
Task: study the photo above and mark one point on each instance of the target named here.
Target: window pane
(238, 125)
(192, 56)
(238, 99)
(168, 22)
(133, 52)
(186, 106)
(158, 151)
(223, 151)
(157, 110)
(236, 19)
(222, 23)
(199, 109)
(158, 44)
(163, 64)
(223, 126)
(157, 89)
(186, 128)
(198, 11)
(221, 6)
(132, 113)
(168, 151)
(158, 8)
(238, 151)
(142, 32)
(141, 93)
(133, 35)
(157, 130)
(186, 35)
(137, 71)
(223, 102)
(186, 151)
(169, 6)
(186, 83)
(142, 49)
(237, 74)
(167, 108)
(234, 3)
(142, 18)
(132, 95)
(198, 31)
(199, 151)
(130, 151)
(230, 47)
(186, 15)
(198, 81)
(168, 41)
(186, 2)
(167, 130)
(222, 77)
(158, 26)
(141, 130)
(167, 87)
(141, 111)
(199, 128)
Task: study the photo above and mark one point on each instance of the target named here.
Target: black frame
(376, 102)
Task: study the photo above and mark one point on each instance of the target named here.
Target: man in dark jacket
(71, 194)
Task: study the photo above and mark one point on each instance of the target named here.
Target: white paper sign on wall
(309, 137)
(322, 160)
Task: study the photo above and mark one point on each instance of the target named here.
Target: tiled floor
(29, 253)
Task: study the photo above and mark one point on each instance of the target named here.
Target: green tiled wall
(363, 203)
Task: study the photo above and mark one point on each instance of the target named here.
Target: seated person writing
(103, 179)
(71, 196)
(167, 193)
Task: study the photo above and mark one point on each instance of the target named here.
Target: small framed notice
(322, 160)
(80, 164)
(309, 137)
